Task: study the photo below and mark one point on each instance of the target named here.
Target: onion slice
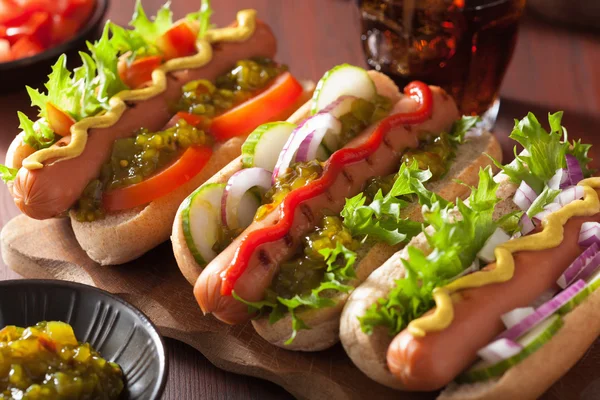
(543, 312)
(574, 172)
(589, 234)
(559, 179)
(496, 239)
(526, 224)
(317, 125)
(569, 195)
(474, 267)
(576, 267)
(499, 350)
(236, 188)
(524, 196)
(515, 316)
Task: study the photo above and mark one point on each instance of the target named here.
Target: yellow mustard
(551, 236)
(79, 131)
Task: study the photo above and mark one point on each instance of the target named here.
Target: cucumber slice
(201, 221)
(531, 341)
(262, 147)
(342, 80)
(331, 141)
(323, 152)
(249, 203)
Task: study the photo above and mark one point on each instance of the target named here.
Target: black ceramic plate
(32, 71)
(119, 331)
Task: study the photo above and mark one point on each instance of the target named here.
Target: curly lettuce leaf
(150, 30)
(36, 134)
(546, 197)
(381, 219)
(459, 233)
(462, 126)
(7, 174)
(545, 151)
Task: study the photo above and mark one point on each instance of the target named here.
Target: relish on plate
(46, 361)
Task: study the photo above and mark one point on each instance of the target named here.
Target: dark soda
(464, 46)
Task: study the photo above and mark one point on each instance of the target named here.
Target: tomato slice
(139, 71)
(38, 28)
(191, 162)
(244, 118)
(25, 47)
(59, 121)
(178, 41)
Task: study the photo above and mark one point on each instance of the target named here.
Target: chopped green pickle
(305, 272)
(202, 97)
(433, 154)
(134, 159)
(45, 361)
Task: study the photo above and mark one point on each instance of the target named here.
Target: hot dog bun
(126, 235)
(368, 352)
(324, 322)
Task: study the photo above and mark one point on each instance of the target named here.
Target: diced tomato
(5, 54)
(63, 29)
(241, 120)
(192, 119)
(59, 121)
(191, 162)
(78, 10)
(2, 32)
(38, 27)
(139, 71)
(11, 14)
(30, 6)
(179, 41)
(25, 47)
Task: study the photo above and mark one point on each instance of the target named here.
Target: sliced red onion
(559, 179)
(526, 224)
(496, 239)
(341, 106)
(543, 312)
(303, 149)
(544, 297)
(572, 272)
(569, 195)
(574, 172)
(499, 350)
(318, 125)
(237, 186)
(548, 209)
(524, 196)
(589, 234)
(515, 316)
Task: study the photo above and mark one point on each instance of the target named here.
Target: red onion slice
(303, 149)
(499, 350)
(317, 125)
(524, 196)
(496, 239)
(574, 172)
(569, 195)
(589, 234)
(559, 179)
(526, 224)
(572, 272)
(543, 312)
(236, 188)
(341, 106)
(517, 315)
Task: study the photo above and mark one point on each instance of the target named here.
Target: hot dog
(151, 115)
(265, 259)
(510, 312)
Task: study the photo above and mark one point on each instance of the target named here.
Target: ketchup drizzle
(419, 91)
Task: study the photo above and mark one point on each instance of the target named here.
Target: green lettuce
(462, 126)
(458, 235)
(381, 219)
(7, 174)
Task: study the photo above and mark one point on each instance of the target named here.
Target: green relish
(45, 361)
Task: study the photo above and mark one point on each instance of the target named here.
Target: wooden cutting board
(153, 283)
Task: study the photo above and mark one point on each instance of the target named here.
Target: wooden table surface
(553, 69)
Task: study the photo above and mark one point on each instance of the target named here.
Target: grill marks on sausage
(408, 128)
(307, 212)
(263, 257)
(388, 143)
(348, 177)
(288, 240)
(368, 160)
(328, 196)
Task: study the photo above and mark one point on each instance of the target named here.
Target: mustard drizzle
(79, 131)
(551, 236)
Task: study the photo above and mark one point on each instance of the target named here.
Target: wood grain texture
(552, 69)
